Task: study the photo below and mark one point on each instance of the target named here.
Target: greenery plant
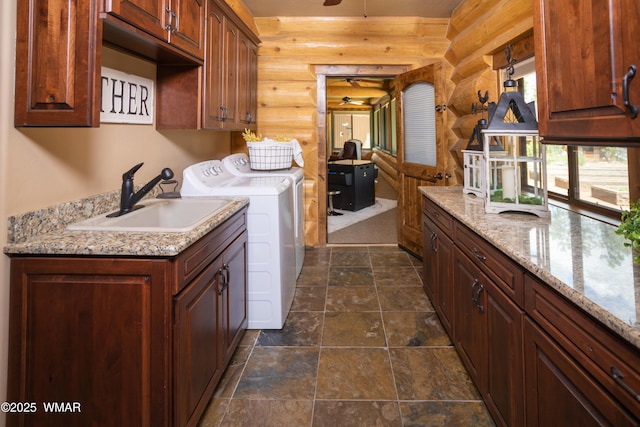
(630, 228)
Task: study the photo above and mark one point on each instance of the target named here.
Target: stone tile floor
(362, 346)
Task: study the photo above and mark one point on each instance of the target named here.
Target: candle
(508, 182)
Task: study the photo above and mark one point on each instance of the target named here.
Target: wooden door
(232, 294)
(247, 82)
(213, 67)
(413, 171)
(583, 51)
(197, 367)
(188, 26)
(57, 63)
(470, 323)
(148, 15)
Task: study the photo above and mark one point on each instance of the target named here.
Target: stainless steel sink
(158, 215)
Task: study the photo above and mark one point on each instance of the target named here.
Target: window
(348, 125)
(419, 124)
(384, 126)
(586, 177)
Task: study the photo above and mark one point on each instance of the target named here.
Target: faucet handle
(129, 174)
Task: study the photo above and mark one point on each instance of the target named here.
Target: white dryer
(238, 164)
(271, 251)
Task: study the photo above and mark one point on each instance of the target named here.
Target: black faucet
(128, 198)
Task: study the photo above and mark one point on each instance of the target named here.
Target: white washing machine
(271, 252)
(238, 164)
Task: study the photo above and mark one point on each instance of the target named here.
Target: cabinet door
(247, 82)
(504, 394)
(429, 259)
(187, 27)
(149, 15)
(438, 272)
(559, 392)
(196, 364)
(229, 100)
(213, 67)
(470, 327)
(93, 332)
(583, 51)
(445, 295)
(221, 78)
(57, 81)
(233, 296)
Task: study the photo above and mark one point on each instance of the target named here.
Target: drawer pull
(435, 214)
(478, 255)
(619, 379)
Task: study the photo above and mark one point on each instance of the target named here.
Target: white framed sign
(126, 98)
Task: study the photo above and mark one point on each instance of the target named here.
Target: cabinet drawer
(438, 215)
(597, 349)
(507, 275)
(191, 263)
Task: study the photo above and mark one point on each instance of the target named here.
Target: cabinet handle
(473, 292)
(434, 237)
(478, 255)
(172, 15)
(619, 379)
(223, 278)
(224, 114)
(480, 306)
(249, 117)
(228, 272)
(435, 214)
(633, 109)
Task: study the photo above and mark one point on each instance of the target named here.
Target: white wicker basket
(265, 156)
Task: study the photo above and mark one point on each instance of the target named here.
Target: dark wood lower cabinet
(471, 330)
(536, 358)
(126, 341)
(560, 392)
(488, 337)
(437, 272)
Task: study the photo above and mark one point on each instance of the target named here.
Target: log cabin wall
(292, 47)
(478, 29)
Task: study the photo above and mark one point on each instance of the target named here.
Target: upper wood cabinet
(178, 22)
(57, 63)
(584, 53)
(247, 82)
(222, 94)
(230, 84)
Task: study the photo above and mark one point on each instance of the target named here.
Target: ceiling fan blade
(331, 2)
(353, 83)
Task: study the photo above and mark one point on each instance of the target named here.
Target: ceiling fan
(337, 2)
(355, 82)
(347, 100)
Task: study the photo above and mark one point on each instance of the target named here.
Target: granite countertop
(43, 232)
(582, 258)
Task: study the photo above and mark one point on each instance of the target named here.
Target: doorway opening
(349, 100)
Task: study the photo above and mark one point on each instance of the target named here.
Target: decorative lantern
(516, 176)
(473, 154)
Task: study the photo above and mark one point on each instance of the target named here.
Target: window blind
(419, 117)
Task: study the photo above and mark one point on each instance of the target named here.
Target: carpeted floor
(379, 229)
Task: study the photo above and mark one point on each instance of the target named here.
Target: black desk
(355, 179)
